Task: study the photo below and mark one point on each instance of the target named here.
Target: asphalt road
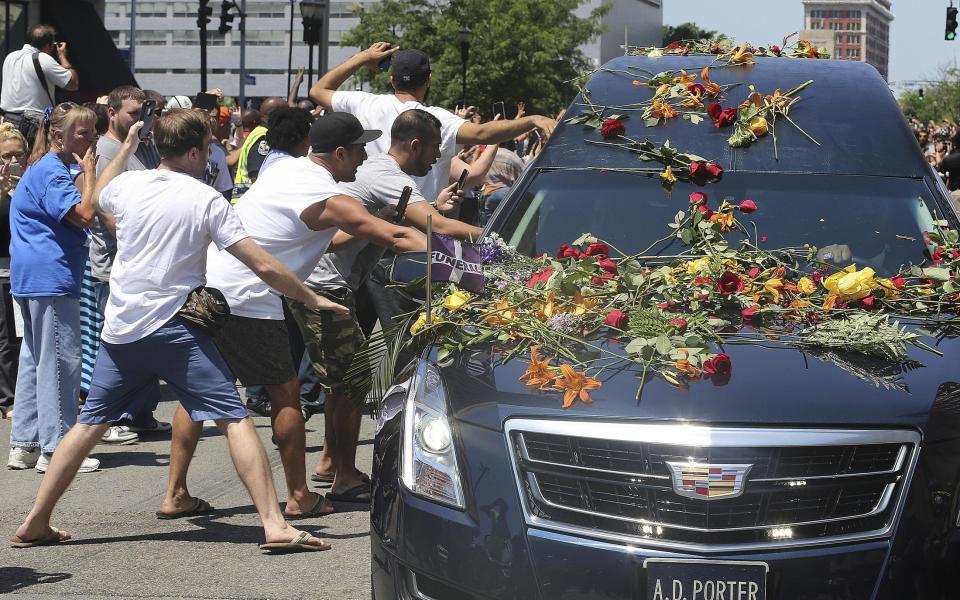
(120, 550)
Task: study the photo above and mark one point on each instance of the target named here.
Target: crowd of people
(940, 144)
(178, 241)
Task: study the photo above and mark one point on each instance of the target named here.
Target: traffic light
(226, 18)
(951, 31)
(204, 13)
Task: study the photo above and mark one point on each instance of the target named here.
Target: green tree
(522, 50)
(688, 31)
(941, 98)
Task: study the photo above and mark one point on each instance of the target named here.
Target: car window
(880, 220)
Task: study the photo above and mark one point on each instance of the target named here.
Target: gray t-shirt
(379, 183)
(103, 246)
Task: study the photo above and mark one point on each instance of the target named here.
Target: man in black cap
(410, 76)
(293, 210)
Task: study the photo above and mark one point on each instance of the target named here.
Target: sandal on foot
(201, 507)
(317, 510)
(54, 537)
(358, 493)
(329, 478)
(297, 544)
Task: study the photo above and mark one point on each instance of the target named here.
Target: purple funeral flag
(457, 262)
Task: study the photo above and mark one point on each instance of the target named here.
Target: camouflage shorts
(331, 340)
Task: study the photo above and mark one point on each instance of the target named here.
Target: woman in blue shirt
(48, 250)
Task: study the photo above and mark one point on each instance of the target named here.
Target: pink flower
(698, 198)
(680, 324)
(747, 206)
(750, 311)
(617, 318)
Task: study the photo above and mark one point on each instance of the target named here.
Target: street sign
(250, 80)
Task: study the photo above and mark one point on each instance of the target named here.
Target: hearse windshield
(871, 221)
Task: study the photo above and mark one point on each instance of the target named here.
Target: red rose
(568, 251)
(617, 318)
(868, 301)
(597, 250)
(705, 210)
(698, 172)
(702, 280)
(775, 49)
(664, 305)
(937, 256)
(752, 273)
(816, 276)
(680, 324)
(673, 45)
(611, 129)
(718, 365)
(714, 110)
(604, 277)
(897, 282)
(750, 311)
(698, 198)
(715, 171)
(696, 89)
(729, 283)
(763, 239)
(726, 118)
(608, 265)
(747, 206)
(541, 277)
(716, 49)
(954, 253)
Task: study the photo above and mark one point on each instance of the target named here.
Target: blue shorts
(181, 355)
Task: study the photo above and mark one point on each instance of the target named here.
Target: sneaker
(155, 427)
(118, 434)
(89, 465)
(260, 406)
(23, 458)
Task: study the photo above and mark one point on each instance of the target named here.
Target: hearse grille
(798, 486)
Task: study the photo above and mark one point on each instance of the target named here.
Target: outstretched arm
(351, 217)
(322, 91)
(494, 132)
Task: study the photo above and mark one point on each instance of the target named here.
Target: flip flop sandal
(202, 507)
(297, 544)
(354, 494)
(314, 510)
(329, 478)
(54, 537)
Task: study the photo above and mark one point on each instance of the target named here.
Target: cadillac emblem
(708, 482)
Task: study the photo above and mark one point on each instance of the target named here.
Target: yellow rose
(455, 300)
(889, 290)
(758, 125)
(698, 266)
(418, 324)
(806, 286)
(667, 177)
(851, 284)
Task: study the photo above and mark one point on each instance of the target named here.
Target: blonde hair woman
(13, 158)
(48, 251)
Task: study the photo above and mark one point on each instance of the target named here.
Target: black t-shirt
(951, 164)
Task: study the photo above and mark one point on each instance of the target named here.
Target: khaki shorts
(256, 350)
(331, 340)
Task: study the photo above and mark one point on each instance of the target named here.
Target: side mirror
(408, 267)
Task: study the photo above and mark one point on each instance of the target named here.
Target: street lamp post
(313, 12)
(464, 36)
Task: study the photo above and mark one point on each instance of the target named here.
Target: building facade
(167, 40)
(851, 29)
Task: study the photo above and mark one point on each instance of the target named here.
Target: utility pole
(243, 51)
(203, 17)
(132, 36)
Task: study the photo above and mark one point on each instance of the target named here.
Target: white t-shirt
(378, 111)
(165, 223)
(379, 183)
(270, 212)
(21, 87)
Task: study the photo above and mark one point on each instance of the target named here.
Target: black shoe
(261, 406)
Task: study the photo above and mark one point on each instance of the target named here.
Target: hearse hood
(768, 386)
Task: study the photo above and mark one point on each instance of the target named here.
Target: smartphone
(499, 108)
(402, 204)
(384, 65)
(15, 170)
(206, 101)
(462, 180)
(147, 113)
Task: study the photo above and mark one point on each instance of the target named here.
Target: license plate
(669, 579)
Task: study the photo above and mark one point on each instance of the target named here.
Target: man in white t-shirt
(165, 219)
(23, 92)
(331, 340)
(410, 76)
(293, 211)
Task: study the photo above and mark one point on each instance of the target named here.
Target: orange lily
(684, 365)
(741, 56)
(831, 301)
(724, 219)
(583, 305)
(548, 309)
(539, 374)
(685, 78)
(504, 313)
(774, 287)
(663, 90)
(712, 89)
(575, 385)
(663, 110)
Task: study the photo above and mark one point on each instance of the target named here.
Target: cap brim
(368, 136)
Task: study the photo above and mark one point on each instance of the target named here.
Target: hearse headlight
(429, 459)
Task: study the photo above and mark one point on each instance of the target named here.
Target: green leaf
(695, 119)
(664, 346)
(936, 273)
(443, 354)
(587, 238)
(651, 122)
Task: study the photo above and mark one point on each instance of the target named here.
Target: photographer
(27, 75)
